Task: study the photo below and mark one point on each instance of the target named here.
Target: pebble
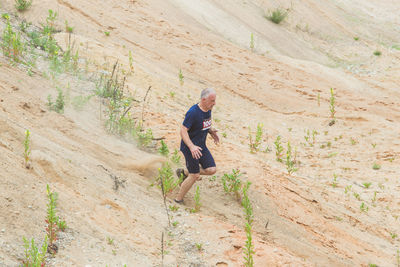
(275, 250)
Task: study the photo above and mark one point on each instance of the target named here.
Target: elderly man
(194, 130)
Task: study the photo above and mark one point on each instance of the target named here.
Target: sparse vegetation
(34, 257)
(356, 38)
(334, 183)
(363, 207)
(377, 53)
(367, 185)
(57, 106)
(199, 246)
(277, 15)
(255, 144)
(278, 148)
(181, 77)
(166, 178)
(163, 150)
(27, 147)
(12, 45)
(232, 183)
(249, 247)
(290, 163)
(376, 166)
(252, 42)
(107, 33)
(52, 221)
(22, 5)
(332, 109)
(197, 203)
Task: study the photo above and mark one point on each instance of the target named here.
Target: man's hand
(196, 151)
(214, 135)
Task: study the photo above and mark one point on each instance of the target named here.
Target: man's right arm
(195, 150)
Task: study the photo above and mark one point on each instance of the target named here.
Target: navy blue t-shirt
(198, 122)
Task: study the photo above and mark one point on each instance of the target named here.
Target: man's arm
(196, 150)
(214, 135)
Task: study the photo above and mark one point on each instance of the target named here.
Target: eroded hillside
(341, 206)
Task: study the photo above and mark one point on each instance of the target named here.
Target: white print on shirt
(206, 124)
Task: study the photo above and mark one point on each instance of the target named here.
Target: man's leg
(186, 185)
(208, 171)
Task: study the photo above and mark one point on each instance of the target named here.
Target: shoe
(178, 201)
(181, 175)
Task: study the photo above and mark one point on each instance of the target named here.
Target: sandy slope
(309, 221)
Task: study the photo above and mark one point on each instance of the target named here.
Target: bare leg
(187, 184)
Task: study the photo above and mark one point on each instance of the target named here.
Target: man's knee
(211, 170)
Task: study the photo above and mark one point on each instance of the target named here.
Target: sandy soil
(313, 217)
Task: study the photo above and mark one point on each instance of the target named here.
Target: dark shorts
(206, 160)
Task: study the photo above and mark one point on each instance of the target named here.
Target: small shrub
(363, 207)
(255, 145)
(248, 251)
(199, 246)
(68, 28)
(376, 166)
(58, 106)
(277, 15)
(332, 109)
(166, 174)
(22, 5)
(278, 148)
(107, 33)
(367, 185)
(232, 183)
(377, 53)
(290, 163)
(34, 258)
(12, 44)
(181, 78)
(197, 203)
(334, 183)
(163, 150)
(356, 38)
(27, 147)
(176, 158)
(52, 220)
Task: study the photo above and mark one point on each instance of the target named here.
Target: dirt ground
(340, 208)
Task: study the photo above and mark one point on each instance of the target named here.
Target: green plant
(199, 246)
(145, 138)
(181, 78)
(12, 44)
(393, 235)
(110, 241)
(176, 158)
(174, 208)
(290, 163)
(34, 258)
(68, 28)
(376, 166)
(62, 225)
(224, 135)
(175, 224)
(51, 220)
(347, 189)
(357, 196)
(27, 146)
(277, 15)
(197, 203)
(22, 5)
(374, 198)
(107, 33)
(353, 141)
(252, 42)
(367, 185)
(377, 53)
(166, 178)
(163, 150)
(363, 207)
(232, 183)
(5, 16)
(278, 148)
(372, 265)
(58, 106)
(248, 251)
(131, 68)
(332, 101)
(373, 145)
(255, 145)
(356, 38)
(334, 183)
(398, 258)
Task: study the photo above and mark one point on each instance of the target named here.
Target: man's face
(209, 101)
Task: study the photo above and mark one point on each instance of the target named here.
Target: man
(194, 130)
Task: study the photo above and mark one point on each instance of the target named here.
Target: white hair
(206, 92)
